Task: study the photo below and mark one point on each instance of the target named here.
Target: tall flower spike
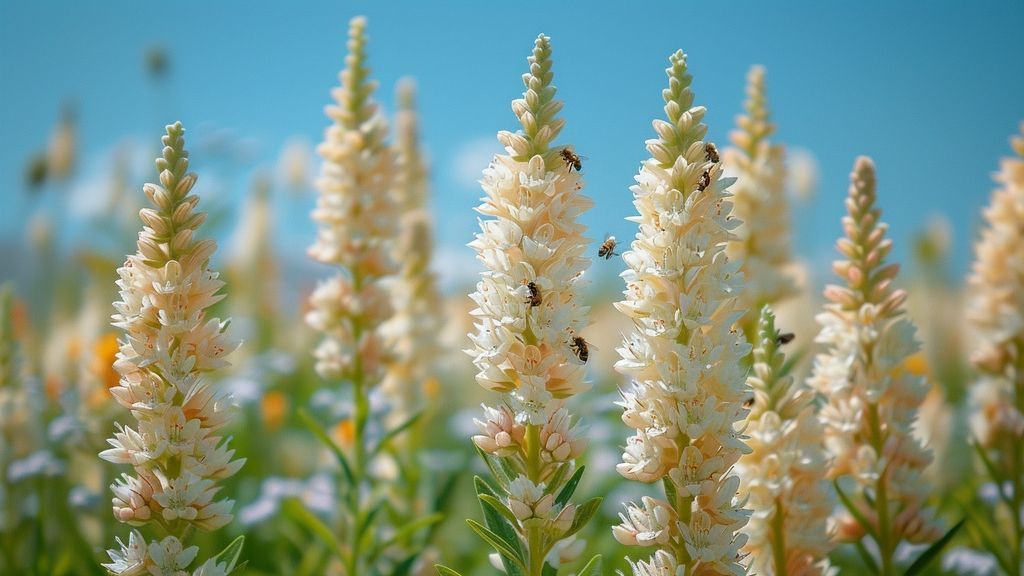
(414, 328)
(357, 215)
(872, 398)
(170, 346)
(783, 477)
(684, 358)
(528, 321)
(759, 201)
(996, 315)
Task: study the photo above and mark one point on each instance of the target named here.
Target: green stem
(885, 544)
(1017, 462)
(534, 536)
(362, 412)
(779, 538)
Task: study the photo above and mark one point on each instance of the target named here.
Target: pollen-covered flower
(783, 477)
(872, 398)
(759, 202)
(169, 347)
(684, 358)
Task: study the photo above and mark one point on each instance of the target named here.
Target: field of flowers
(169, 410)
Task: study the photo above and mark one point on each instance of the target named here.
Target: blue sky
(931, 91)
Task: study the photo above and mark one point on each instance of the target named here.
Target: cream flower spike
(872, 399)
(783, 477)
(413, 329)
(995, 312)
(170, 345)
(759, 201)
(684, 358)
(528, 320)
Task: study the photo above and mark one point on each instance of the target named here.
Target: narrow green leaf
(240, 569)
(499, 525)
(230, 554)
(570, 487)
(394, 432)
(496, 473)
(592, 567)
(367, 520)
(993, 472)
(405, 566)
(852, 508)
(670, 489)
(325, 438)
(482, 487)
(866, 557)
(315, 525)
(987, 538)
(407, 530)
(584, 513)
(496, 541)
(933, 550)
(445, 571)
(498, 506)
(548, 570)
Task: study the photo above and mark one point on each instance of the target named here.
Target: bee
(607, 249)
(785, 338)
(572, 160)
(535, 298)
(705, 181)
(580, 349)
(710, 152)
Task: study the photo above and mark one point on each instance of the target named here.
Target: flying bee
(571, 159)
(535, 298)
(607, 249)
(711, 153)
(705, 181)
(580, 349)
(785, 338)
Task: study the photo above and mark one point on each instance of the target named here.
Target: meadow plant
(872, 397)
(684, 358)
(165, 360)
(995, 311)
(782, 479)
(527, 344)
(759, 201)
(357, 221)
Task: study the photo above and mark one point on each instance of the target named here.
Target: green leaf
(499, 525)
(548, 570)
(482, 487)
(445, 571)
(584, 513)
(323, 437)
(866, 557)
(933, 550)
(670, 489)
(993, 472)
(497, 473)
(367, 519)
(394, 432)
(408, 530)
(852, 508)
(567, 491)
(592, 567)
(230, 554)
(497, 542)
(315, 525)
(498, 506)
(405, 566)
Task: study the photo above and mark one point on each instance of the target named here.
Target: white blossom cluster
(783, 476)
(684, 358)
(872, 398)
(414, 328)
(759, 203)
(529, 315)
(170, 345)
(996, 310)
(357, 227)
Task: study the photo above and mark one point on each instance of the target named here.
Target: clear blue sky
(930, 90)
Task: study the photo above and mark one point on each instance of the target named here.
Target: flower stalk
(527, 345)
(996, 315)
(762, 241)
(169, 349)
(782, 479)
(872, 397)
(684, 358)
